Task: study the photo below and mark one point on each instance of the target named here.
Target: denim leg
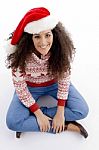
(76, 108)
(19, 117)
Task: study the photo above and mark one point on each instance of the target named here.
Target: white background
(81, 19)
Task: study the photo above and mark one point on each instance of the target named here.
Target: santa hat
(34, 21)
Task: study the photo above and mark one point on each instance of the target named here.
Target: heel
(18, 134)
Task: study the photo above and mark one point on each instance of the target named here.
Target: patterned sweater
(36, 72)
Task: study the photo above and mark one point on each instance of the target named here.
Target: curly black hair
(61, 53)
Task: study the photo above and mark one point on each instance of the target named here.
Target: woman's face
(43, 41)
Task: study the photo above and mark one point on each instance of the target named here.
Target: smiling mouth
(43, 47)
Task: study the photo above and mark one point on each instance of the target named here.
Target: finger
(54, 128)
(52, 125)
(41, 129)
(49, 125)
(60, 129)
(44, 128)
(48, 128)
(49, 118)
(63, 127)
(57, 129)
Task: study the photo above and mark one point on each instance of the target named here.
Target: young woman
(40, 57)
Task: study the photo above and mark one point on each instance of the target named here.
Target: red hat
(34, 21)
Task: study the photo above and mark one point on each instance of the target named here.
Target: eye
(48, 35)
(36, 36)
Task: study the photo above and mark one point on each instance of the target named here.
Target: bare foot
(75, 126)
(72, 127)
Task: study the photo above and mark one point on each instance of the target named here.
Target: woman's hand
(58, 120)
(43, 121)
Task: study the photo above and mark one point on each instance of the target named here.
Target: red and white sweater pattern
(36, 72)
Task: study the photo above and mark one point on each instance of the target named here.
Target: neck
(38, 54)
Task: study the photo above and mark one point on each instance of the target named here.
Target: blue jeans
(19, 118)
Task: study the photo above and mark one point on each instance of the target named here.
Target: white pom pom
(10, 49)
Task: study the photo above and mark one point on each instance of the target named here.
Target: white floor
(84, 27)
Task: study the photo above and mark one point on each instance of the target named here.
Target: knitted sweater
(36, 72)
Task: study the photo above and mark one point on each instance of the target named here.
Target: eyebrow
(39, 34)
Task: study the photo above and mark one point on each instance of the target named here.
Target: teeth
(43, 46)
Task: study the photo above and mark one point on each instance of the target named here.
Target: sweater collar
(43, 59)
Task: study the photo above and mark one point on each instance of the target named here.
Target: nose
(43, 41)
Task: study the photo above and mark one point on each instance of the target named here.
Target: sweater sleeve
(63, 88)
(22, 91)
